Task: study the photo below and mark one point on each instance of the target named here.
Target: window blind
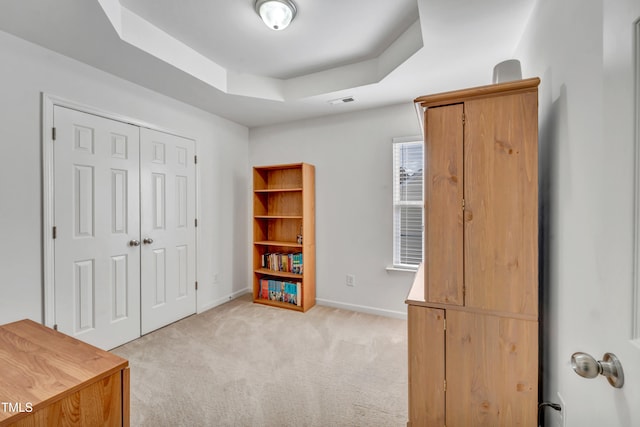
(408, 206)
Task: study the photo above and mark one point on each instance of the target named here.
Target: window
(408, 206)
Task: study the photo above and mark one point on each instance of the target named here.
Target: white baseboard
(223, 300)
(335, 304)
(363, 309)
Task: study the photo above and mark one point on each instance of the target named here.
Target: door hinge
(55, 327)
(463, 204)
(196, 286)
(444, 323)
(53, 133)
(196, 222)
(464, 118)
(445, 385)
(195, 159)
(55, 232)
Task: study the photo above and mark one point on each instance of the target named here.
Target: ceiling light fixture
(276, 14)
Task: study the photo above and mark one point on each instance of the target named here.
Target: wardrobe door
(426, 366)
(443, 204)
(491, 370)
(501, 203)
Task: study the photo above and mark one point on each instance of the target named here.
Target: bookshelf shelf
(276, 190)
(278, 243)
(267, 272)
(278, 216)
(284, 212)
(278, 304)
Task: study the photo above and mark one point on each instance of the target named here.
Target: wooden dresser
(50, 379)
(473, 308)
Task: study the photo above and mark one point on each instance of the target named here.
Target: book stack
(277, 290)
(288, 263)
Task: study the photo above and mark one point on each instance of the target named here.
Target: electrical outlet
(351, 280)
(563, 411)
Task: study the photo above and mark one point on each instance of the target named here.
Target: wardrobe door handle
(147, 241)
(134, 242)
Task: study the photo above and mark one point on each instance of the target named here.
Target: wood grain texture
(285, 203)
(62, 378)
(309, 235)
(98, 404)
(443, 201)
(492, 340)
(501, 216)
(463, 95)
(492, 371)
(277, 177)
(416, 293)
(426, 339)
(284, 206)
(283, 229)
(126, 397)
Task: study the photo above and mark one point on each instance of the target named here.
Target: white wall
(582, 50)
(352, 155)
(26, 71)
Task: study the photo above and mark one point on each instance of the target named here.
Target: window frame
(397, 263)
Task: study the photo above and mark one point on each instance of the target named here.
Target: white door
(96, 215)
(167, 188)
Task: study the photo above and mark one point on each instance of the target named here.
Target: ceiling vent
(344, 100)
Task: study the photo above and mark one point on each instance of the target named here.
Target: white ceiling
(325, 34)
(218, 56)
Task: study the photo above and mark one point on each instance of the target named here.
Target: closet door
(96, 214)
(167, 217)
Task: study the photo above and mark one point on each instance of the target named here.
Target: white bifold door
(124, 213)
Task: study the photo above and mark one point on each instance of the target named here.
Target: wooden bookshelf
(283, 209)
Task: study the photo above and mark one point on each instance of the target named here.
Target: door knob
(586, 366)
(147, 241)
(134, 242)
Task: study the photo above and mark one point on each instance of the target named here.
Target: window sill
(404, 269)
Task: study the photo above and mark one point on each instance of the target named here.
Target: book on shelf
(264, 289)
(297, 263)
(281, 291)
(290, 293)
(284, 262)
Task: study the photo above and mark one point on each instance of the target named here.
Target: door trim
(636, 240)
(48, 102)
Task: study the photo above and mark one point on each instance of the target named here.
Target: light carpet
(245, 364)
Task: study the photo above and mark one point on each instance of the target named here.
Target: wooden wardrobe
(473, 308)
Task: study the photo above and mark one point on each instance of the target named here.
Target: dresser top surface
(39, 365)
